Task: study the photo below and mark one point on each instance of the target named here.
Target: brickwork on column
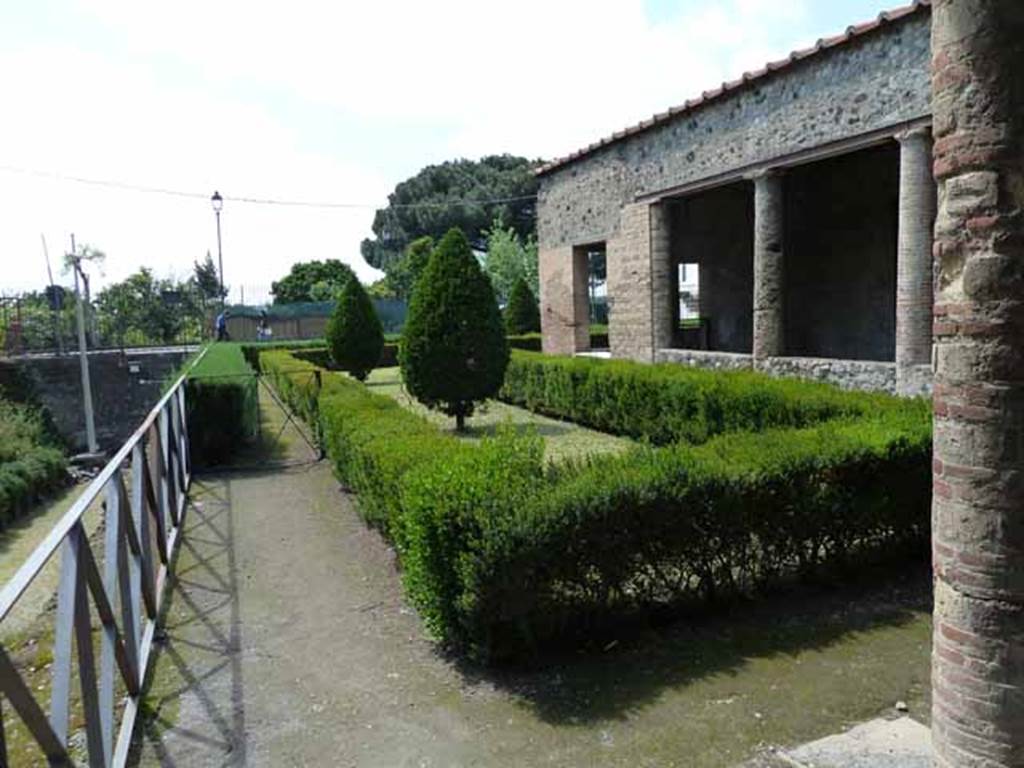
(630, 313)
(769, 228)
(563, 299)
(914, 258)
(978, 488)
(663, 283)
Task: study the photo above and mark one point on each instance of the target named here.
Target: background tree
(297, 285)
(354, 335)
(442, 197)
(510, 259)
(207, 279)
(406, 271)
(522, 315)
(453, 352)
(142, 309)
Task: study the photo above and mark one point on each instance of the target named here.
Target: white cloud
(189, 94)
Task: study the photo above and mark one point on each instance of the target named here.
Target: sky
(323, 101)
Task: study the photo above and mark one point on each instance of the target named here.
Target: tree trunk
(978, 484)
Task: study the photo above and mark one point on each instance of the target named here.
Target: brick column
(769, 226)
(564, 318)
(630, 285)
(914, 257)
(978, 487)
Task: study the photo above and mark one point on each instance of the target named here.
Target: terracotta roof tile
(852, 32)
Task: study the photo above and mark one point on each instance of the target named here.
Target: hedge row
(671, 403)
(222, 404)
(501, 553)
(30, 466)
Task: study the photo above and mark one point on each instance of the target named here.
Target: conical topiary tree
(453, 352)
(354, 336)
(522, 315)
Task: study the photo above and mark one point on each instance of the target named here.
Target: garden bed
(755, 480)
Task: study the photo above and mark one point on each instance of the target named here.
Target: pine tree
(354, 335)
(453, 352)
(522, 315)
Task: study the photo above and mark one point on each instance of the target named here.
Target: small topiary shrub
(354, 334)
(522, 315)
(453, 351)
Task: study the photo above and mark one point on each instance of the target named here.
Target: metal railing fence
(143, 489)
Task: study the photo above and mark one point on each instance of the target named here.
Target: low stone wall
(124, 388)
(847, 374)
(725, 361)
(916, 381)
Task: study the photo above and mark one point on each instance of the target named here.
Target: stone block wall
(881, 79)
(125, 388)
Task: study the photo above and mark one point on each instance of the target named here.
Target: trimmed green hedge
(222, 404)
(30, 466)
(671, 403)
(501, 553)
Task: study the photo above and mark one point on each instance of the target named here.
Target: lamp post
(218, 203)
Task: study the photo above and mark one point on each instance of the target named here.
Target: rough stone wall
(630, 310)
(978, 485)
(124, 390)
(877, 81)
(840, 265)
(719, 361)
(715, 230)
(847, 374)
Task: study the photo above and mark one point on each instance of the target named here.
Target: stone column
(769, 226)
(662, 281)
(630, 285)
(978, 485)
(914, 257)
(563, 299)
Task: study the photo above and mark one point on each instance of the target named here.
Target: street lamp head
(218, 202)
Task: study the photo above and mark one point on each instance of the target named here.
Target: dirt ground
(288, 643)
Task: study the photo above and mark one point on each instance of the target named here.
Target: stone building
(803, 193)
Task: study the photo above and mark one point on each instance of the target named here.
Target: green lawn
(562, 439)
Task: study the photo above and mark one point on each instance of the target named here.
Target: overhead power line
(154, 190)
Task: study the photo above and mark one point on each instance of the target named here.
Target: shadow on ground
(618, 675)
(197, 653)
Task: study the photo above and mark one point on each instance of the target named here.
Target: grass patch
(562, 439)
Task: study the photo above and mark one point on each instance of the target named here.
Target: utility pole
(83, 358)
(56, 299)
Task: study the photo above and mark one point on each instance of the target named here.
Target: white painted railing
(143, 489)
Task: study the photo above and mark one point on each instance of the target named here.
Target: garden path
(288, 643)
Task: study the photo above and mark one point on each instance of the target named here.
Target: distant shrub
(453, 352)
(222, 404)
(354, 335)
(30, 464)
(522, 315)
